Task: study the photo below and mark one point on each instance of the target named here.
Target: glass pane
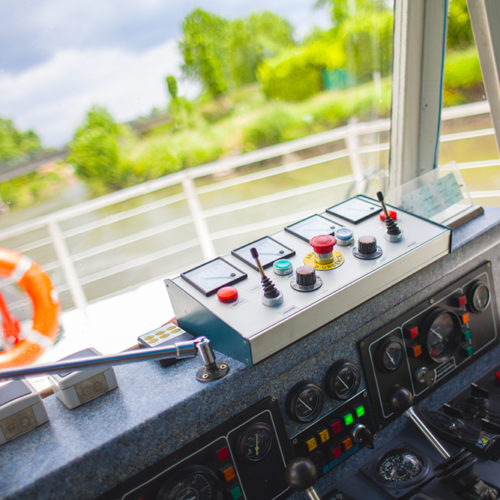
(276, 110)
(467, 134)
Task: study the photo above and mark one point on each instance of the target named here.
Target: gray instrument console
(240, 325)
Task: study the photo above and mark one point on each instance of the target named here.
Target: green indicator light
(360, 411)
(469, 350)
(348, 419)
(467, 335)
(236, 493)
(283, 267)
(282, 264)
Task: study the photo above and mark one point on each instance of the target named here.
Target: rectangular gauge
(269, 251)
(312, 226)
(212, 275)
(355, 210)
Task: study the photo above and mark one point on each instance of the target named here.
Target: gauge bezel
(189, 276)
(292, 400)
(243, 253)
(423, 473)
(472, 294)
(251, 429)
(427, 323)
(381, 351)
(333, 374)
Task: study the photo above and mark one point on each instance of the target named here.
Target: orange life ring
(35, 282)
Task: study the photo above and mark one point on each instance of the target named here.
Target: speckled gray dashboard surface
(86, 451)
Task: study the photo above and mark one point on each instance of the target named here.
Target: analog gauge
(342, 379)
(355, 209)
(390, 354)
(194, 482)
(255, 442)
(442, 333)
(400, 467)
(269, 250)
(304, 401)
(312, 226)
(211, 276)
(479, 297)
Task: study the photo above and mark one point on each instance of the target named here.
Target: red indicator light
(223, 454)
(497, 377)
(336, 427)
(336, 452)
(462, 300)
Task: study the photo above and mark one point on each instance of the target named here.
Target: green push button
(236, 493)
(469, 350)
(467, 335)
(282, 267)
(348, 419)
(360, 411)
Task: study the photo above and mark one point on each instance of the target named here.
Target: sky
(60, 57)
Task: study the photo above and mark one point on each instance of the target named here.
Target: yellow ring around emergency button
(337, 261)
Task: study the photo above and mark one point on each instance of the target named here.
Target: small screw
(222, 366)
(295, 441)
(205, 375)
(431, 301)
(365, 394)
(375, 436)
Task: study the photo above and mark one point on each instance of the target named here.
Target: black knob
(362, 435)
(367, 245)
(367, 248)
(305, 276)
(300, 473)
(400, 399)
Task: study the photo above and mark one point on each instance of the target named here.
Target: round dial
(390, 355)
(479, 297)
(255, 442)
(442, 332)
(194, 482)
(342, 379)
(304, 401)
(400, 465)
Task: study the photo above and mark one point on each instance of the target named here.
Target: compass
(400, 467)
(354, 210)
(269, 250)
(312, 226)
(211, 276)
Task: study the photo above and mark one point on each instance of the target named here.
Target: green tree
(342, 10)
(459, 28)
(95, 151)
(223, 55)
(14, 143)
(172, 86)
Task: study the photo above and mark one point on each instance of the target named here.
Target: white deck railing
(68, 264)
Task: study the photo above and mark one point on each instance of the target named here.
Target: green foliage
(223, 55)
(172, 86)
(14, 143)
(459, 28)
(462, 77)
(296, 74)
(97, 151)
(343, 10)
(367, 42)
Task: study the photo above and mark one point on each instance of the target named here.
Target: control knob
(305, 279)
(367, 248)
(400, 399)
(362, 435)
(300, 474)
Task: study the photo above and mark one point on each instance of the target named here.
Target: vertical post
(419, 41)
(206, 243)
(485, 20)
(75, 289)
(352, 143)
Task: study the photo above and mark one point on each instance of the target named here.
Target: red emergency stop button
(323, 243)
(227, 294)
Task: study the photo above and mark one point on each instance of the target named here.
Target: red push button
(411, 332)
(461, 300)
(336, 427)
(227, 294)
(223, 454)
(323, 243)
(336, 452)
(392, 215)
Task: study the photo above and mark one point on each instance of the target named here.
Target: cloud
(53, 97)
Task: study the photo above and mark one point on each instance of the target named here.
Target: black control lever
(301, 474)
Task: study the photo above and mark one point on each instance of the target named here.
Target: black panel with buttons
(435, 339)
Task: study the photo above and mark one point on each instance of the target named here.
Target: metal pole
(352, 143)
(206, 243)
(75, 289)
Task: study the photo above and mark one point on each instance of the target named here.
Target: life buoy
(35, 282)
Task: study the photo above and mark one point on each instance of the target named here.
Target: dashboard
(327, 344)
